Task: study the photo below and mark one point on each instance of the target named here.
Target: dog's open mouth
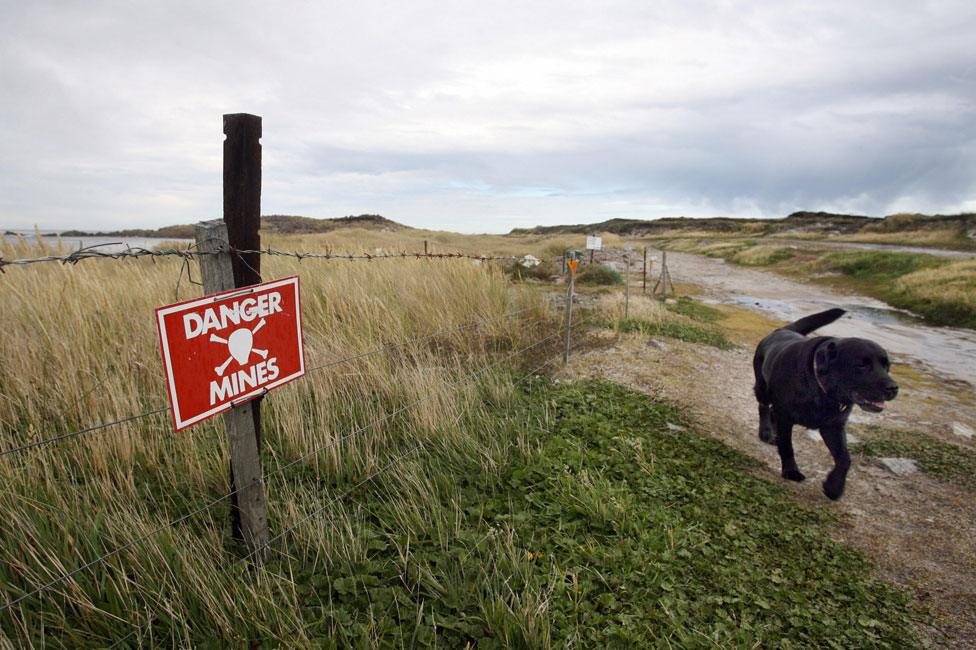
(869, 405)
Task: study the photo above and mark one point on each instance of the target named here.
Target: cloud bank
(479, 116)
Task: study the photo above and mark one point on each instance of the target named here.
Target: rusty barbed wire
(90, 252)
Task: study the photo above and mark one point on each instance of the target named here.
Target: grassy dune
(918, 230)
(938, 231)
(946, 294)
(938, 289)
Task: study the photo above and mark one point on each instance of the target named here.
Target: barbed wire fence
(246, 260)
(91, 253)
(11, 604)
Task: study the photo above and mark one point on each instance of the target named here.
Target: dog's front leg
(836, 441)
(784, 444)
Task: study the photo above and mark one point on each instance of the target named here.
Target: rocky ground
(919, 531)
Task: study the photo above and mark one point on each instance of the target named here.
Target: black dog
(815, 382)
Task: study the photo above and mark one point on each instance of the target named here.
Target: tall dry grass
(613, 307)
(79, 348)
(763, 255)
(947, 293)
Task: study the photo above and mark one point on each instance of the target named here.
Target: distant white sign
(594, 243)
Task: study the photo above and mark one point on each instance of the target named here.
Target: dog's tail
(816, 321)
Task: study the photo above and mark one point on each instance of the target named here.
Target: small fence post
(664, 265)
(667, 274)
(664, 273)
(569, 306)
(664, 281)
(627, 286)
(644, 273)
(239, 230)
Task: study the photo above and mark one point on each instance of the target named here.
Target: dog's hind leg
(784, 445)
(767, 432)
(836, 441)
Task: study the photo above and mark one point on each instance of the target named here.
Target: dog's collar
(816, 376)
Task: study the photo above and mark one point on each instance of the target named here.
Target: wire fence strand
(130, 252)
(96, 427)
(138, 540)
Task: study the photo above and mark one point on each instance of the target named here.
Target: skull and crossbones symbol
(240, 344)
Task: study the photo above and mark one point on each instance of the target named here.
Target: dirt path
(920, 532)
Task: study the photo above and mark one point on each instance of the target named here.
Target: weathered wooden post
(229, 270)
(569, 305)
(242, 193)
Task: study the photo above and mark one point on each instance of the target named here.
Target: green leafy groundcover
(690, 332)
(611, 529)
(694, 309)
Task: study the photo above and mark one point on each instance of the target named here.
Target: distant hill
(799, 223)
(288, 224)
(639, 227)
(276, 223)
(166, 232)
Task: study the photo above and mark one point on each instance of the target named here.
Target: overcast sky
(484, 116)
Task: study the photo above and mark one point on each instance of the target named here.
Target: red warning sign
(223, 350)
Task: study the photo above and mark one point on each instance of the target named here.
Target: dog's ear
(826, 355)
